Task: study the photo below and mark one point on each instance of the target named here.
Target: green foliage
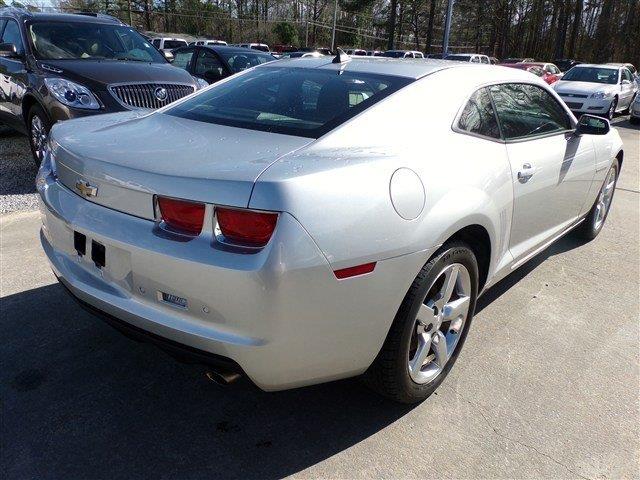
(286, 33)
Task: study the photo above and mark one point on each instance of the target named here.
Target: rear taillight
(181, 215)
(246, 227)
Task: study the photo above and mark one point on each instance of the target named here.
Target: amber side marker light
(354, 271)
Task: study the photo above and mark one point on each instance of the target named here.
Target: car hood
(562, 86)
(110, 71)
(132, 156)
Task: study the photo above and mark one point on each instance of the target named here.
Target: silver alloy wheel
(439, 323)
(604, 198)
(38, 137)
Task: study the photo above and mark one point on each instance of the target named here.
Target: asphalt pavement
(547, 385)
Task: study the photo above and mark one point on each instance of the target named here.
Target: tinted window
(12, 35)
(527, 111)
(172, 44)
(182, 58)
(393, 54)
(305, 102)
(459, 58)
(208, 62)
(2, 22)
(156, 43)
(592, 74)
(626, 74)
(239, 61)
(86, 41)
(478, 116)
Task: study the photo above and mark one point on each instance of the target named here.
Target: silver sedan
(316, 219)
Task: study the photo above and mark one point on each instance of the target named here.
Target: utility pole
(333, 33)
(447, 28)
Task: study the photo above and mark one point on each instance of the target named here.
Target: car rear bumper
(280, 314)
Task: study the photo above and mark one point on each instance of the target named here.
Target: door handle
(526, 173)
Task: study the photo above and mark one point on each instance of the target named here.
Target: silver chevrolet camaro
(316, 219)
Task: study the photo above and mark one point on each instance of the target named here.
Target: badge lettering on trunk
(86, 189)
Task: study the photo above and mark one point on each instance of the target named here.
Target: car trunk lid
(121, 161)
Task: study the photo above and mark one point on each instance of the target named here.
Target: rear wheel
(39, 125)
(594, 221)
(430, 327)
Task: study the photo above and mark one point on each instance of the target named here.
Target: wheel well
(27, 103)
(478, 239)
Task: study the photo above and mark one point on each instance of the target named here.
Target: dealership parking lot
(547, 385)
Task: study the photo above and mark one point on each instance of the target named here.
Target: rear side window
(478, 116)
(182, 58)
(305, 102)
(526, 111)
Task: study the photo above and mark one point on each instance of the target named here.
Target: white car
(597, 89)
(168, 43)
(208, 42)
(314, 219)
(403, 54)
(263, 47)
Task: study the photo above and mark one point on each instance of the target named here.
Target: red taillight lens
(182, 215)
(245, 227)
(354, 271)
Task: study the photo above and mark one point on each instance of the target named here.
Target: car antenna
(341, 57)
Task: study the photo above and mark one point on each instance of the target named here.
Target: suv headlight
(601, 95)
(72, 94)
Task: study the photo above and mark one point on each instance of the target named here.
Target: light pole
(335, 19)
(447, 28)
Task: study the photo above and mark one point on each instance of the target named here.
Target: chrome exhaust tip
(222, 377)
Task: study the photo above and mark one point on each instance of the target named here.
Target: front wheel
(430, 327)
(39, 125)
(612, 108)
(594, 221)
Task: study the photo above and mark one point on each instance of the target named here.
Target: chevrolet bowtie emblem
(87, 189)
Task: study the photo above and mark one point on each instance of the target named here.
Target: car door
(552, 169)
(13, 77)
(627, 88)
(208, 66)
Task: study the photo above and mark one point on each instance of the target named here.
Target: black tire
(634, 120)
(612, 108)
(590, 228)
(36, 113)
(389, 373)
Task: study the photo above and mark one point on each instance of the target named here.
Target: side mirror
(592, 125)
(9, 50)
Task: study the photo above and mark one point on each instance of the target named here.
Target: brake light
(182, 215)
(246, 227)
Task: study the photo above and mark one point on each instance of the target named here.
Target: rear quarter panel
(339, 187)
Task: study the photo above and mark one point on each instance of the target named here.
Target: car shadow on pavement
(625, 124)
(79, 400)
(566, 243)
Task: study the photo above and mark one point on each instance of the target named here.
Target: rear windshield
(173, 44)
(393, 53)
(592, 74)
(459, 58)
(241, 60)
(293, 101)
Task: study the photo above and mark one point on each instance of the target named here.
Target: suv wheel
(430, 327)
(39, 126)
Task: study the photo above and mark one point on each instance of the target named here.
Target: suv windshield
(294, 101)
(83, 40)
(592, 74)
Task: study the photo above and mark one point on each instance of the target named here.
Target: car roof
(60, 17)
(408, 68)
(599, 65)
